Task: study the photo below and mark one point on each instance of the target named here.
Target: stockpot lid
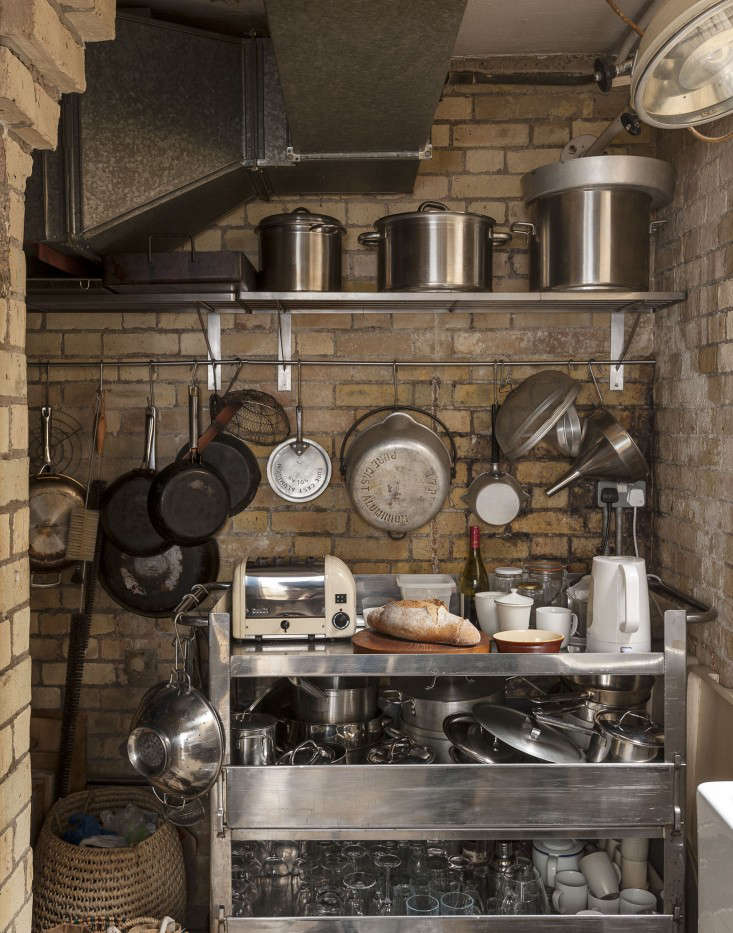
(254, 723)
(433, 209)
(302, 219)
(636, 173)
(520, 732)
(632, 727)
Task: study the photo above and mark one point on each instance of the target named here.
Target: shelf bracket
(284, 348)
(616, 376)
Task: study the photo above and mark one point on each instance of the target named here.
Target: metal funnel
(607, 451)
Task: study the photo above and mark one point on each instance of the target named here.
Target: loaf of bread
(425, 620)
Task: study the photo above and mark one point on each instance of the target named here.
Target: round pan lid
(638, 173)
(537, 740)
(302, 219)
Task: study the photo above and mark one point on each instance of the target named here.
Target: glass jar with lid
(505, 579)
(552, 576)
(536, 594)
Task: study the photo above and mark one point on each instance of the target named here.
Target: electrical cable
(622, 16)
(633, 531)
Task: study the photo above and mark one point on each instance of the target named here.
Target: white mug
(513, 611)
(635, 847)
(602, 874)
(557, 619)
(634, 873)
(486, 610)
(637, 901)
(604, 905)
(550, 856)
(571, 892)
(618, 605)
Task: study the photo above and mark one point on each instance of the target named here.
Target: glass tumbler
(523, 891)
(456, 903)
(400, 894)
(423, 905)
(360, 889)
(275, 892)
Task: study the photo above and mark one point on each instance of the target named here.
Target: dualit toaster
(314, 600)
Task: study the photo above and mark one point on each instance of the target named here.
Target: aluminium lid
(537, 740)
(636, 173)
(302, 219)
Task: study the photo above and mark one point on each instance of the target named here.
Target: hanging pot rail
(232, 361)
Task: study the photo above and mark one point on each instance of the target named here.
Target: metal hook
(193, 372)
(48, 390)
(299, 370)
(394, 380)
(496, 366)
(100, 391)
(595, 383)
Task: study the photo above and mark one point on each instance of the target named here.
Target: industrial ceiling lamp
(683, 72)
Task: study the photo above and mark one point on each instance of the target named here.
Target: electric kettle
(618, 606)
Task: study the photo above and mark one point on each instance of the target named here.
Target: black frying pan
(124, 513)
(236, 464)
(188, 501)
(153, 586)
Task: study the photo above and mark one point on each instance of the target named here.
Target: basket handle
(420, 411)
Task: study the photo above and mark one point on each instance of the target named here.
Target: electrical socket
(624, 490)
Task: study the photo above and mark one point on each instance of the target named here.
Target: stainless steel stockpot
(300, 251)
(433, 248)
(427, 705)
(335, 699)
(589, 223)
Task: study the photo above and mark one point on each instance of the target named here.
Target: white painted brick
(33, 29)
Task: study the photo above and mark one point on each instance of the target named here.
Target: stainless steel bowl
(176, 741)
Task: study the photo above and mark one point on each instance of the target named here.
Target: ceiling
(489, 28)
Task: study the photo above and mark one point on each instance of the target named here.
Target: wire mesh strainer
(261, 418)
(532, 409)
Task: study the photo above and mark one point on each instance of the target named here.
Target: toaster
(314, 600)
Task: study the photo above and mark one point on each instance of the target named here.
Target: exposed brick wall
(41, 54)
(485, 138)
(694, 388)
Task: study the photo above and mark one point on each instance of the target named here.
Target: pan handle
(193, 420)
(495, 453)
(420, 411)
(46, 430)
(218, 424)
(151, 416)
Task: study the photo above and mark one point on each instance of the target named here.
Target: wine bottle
(473, 578)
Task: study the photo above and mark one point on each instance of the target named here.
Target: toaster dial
(340, 620)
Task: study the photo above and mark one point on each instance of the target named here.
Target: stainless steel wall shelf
(91, 296)
(448, 801)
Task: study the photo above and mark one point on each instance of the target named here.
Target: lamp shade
(683, 72)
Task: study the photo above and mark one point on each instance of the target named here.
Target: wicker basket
(101, 886)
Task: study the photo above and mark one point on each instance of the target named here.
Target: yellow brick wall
(694, 390)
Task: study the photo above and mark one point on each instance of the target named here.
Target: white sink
(715, 856)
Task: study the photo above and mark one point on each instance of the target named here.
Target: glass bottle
(473, 578)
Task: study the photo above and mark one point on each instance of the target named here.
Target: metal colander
(261, 419)
(532, 409)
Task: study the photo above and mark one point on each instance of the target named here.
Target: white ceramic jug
(618, 605)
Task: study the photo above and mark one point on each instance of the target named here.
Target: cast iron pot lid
(537, 740)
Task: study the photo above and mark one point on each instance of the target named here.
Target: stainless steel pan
(53, 499)
(349, 700)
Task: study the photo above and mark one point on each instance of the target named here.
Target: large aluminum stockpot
(300, 252)
(398, 473)
(433, 248)
(590, 224)
(426, 702)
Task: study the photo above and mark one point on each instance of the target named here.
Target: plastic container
(427, 586)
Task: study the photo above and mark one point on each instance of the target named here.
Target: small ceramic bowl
(528, 641)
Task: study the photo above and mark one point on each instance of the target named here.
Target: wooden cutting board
(369, 642)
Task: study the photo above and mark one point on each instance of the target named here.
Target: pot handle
(370, 238)
(420, 411)
(499, 237)
(431, 206)
(523, 228)
(558, 723)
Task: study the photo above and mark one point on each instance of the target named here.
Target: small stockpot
(628, 737)
(300, 252)
(426, 706)
(589, 221)
(433, 248)
(253, 736)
